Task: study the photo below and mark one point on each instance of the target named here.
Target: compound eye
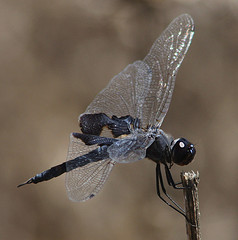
(183, 152)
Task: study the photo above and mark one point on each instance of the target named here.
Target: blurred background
(55, 57)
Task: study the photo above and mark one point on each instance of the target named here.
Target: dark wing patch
(93, 139)
(94, 123)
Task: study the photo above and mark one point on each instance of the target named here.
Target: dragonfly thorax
(160, 150)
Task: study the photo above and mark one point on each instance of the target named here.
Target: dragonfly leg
(159, 182)
(170, 178)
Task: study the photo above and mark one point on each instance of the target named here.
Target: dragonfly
(123, 122)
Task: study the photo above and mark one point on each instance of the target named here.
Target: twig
(190, 182)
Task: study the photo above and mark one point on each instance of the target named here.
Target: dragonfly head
(183, 151)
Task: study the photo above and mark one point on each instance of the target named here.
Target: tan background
(55, 56)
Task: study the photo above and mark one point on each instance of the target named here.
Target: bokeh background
(55, 57)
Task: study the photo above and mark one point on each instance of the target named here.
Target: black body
(160, 151)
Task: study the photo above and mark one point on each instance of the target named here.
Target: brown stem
(190, 182)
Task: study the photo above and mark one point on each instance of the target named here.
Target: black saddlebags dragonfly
(122, 124)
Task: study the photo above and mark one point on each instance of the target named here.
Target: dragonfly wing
(131, 148)
(85, 182)
(144, 89)
(164, 60)
(122, 95)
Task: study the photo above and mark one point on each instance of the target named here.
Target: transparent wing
(78, 148)
(125, 92)
(85, 182)
(164, 60)
(131, 148)
(144, 89)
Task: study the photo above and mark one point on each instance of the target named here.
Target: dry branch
(190, 182)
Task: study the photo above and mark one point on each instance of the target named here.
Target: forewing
(85, 182)
(144, 89)
(164, 60)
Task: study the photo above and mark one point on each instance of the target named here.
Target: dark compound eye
(183, 152)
